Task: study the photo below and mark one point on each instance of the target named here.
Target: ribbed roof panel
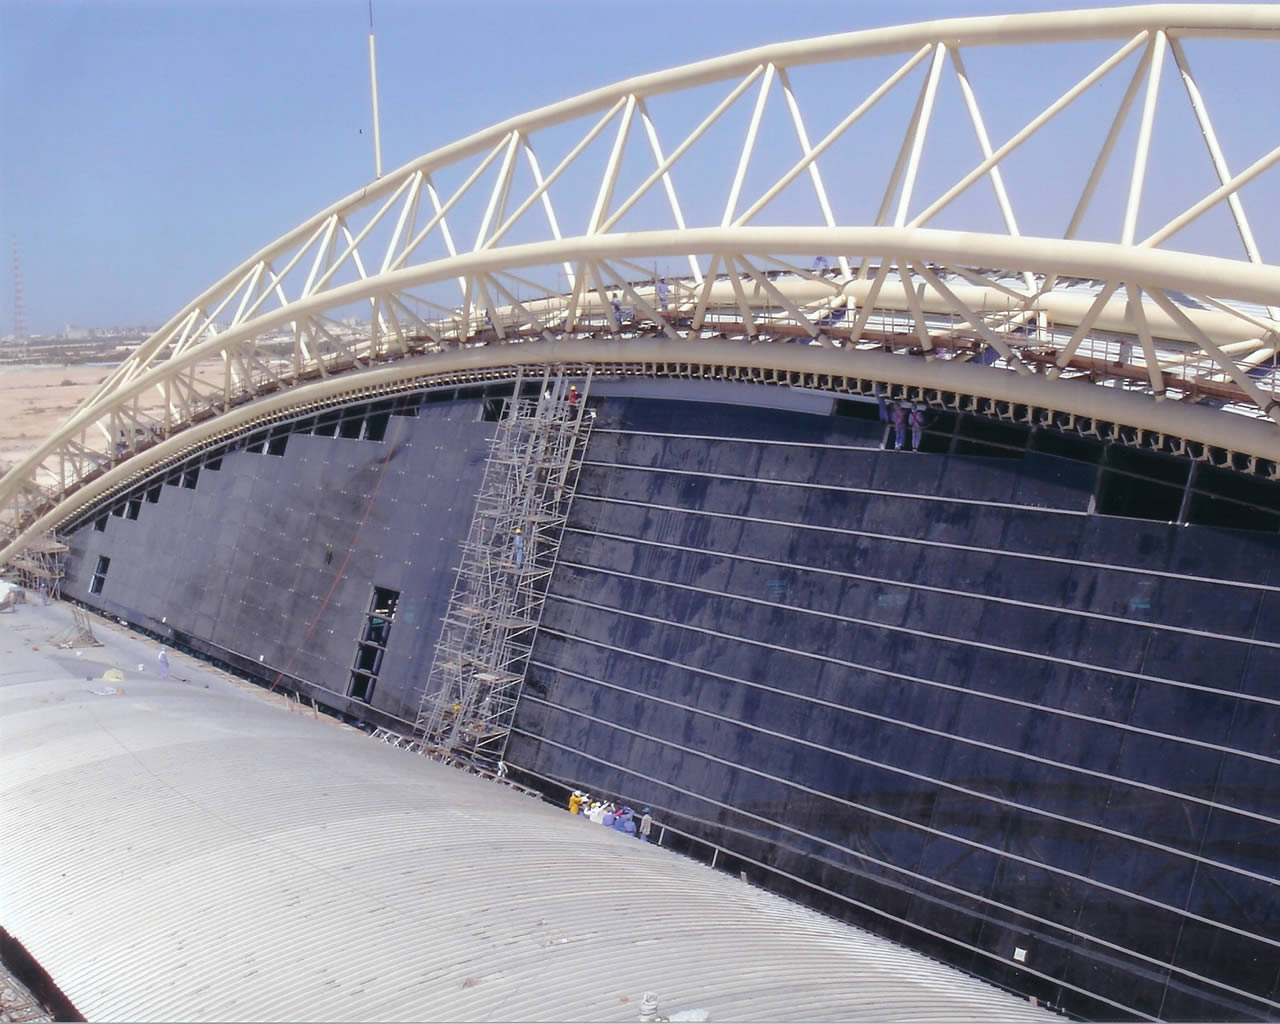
(177, 853)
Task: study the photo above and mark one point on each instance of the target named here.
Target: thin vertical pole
(373, 84)
(1184, 510)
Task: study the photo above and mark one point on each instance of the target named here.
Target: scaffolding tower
(39, 565)
(482, 656)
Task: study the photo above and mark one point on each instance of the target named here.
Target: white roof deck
(188, 850)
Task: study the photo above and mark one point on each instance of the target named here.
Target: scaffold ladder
(469, 702)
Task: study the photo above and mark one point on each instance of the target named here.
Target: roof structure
(585, 250)
(185, 850)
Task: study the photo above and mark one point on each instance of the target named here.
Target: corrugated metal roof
(173, 852)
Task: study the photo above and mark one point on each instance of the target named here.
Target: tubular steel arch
(839, 210)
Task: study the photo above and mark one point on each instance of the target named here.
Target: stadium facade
(979, 698)
(1009, 699)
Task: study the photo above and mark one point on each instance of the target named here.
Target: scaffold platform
(39, 565)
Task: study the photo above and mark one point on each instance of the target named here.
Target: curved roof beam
(1176, 21)
(120, 414)
(1103, 405)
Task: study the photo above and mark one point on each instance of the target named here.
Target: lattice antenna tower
(19, 300)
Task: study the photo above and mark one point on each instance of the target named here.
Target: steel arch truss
(849, 192)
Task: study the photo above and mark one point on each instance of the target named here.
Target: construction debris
(78, 634)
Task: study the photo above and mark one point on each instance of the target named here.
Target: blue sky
(147, 148)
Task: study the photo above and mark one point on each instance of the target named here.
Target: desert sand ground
(34, 400)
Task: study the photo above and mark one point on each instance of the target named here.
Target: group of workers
(610, 815)
(901, 415)
(624, 315)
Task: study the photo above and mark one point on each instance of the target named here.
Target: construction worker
(916, 420)
(575, 801)
(519, 548)
(573, 396)
(899, 417)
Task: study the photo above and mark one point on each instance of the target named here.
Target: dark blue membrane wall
(933, 694)
(265, 555)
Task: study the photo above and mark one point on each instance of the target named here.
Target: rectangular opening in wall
(214, 462)
(406, 405)
(990, 451)
(276, 445)
(384, 602)
(352, 426)
(373, 642)
(189, 478)
(99, 574)
(851, 408)
(1123, 494)
(117, 511)
(376, 630)
(132, 508)
(327, 424)
(1213, 510)
(494, 409)
(368, 658)
(361, 687)
(100, 524)
(938, 428)
(977, 435)
(153, 494)
(256, 442)
(1235, 486)
(1165, 468)
(1053, 443)
(375, 427)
